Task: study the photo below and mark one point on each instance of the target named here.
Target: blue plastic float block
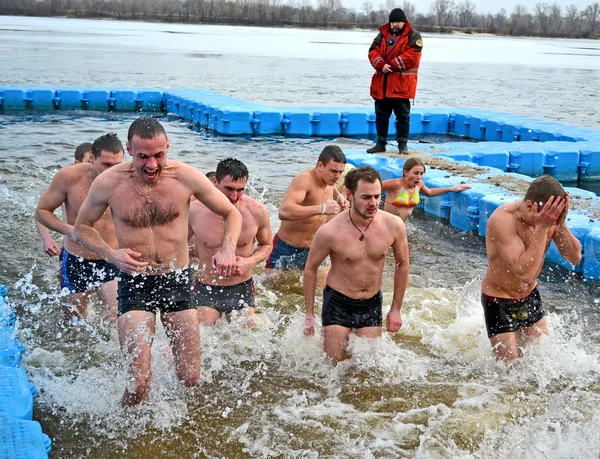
(488, 204)
(583, 194)
(39, 98)
(494, 128)
(526, 158)
(16, 393)
(485, 154)
(7, 315)
(150, 100)
(21, 439)
(561, 160)
(580, 226)
(268, 121)
(511, 132)
(199, 113)
(308, 122)
(429, 121)
(130, 100)
(68, 99)
(12, 99)
(95, 99)
(489, 175)
(466, 122)
(10, 349)
(440, 206)
(591, 251)
(589, 161)
(540, 131)
(123, 100)
(232, 121)
(356, 157)
(354, 121)
(392, 170)
(464, 213)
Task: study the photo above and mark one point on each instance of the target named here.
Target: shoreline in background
(441, 30)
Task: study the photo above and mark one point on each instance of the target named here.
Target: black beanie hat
(397, 15)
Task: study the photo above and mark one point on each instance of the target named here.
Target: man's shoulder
(256, 208)
(73, 170)
(303, 179)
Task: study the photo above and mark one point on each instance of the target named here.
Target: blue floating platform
(21, 439)
(16, 393)
(10, 349)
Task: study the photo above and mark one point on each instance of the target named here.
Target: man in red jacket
(395, 55)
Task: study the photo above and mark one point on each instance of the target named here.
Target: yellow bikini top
(402, 200)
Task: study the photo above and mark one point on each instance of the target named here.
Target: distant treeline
(546, 20)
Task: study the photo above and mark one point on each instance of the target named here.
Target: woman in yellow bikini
(403, 193)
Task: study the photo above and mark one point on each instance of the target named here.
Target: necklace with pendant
(146, 196)
(362, 233)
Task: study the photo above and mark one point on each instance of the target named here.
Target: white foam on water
(432, 390)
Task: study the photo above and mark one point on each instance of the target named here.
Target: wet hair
(412, 162)
(107, 142)
(210, 174)
(364, 173)
(146, 127)
(82, 150)
(236, 169)
(332, 152)
(542, 188)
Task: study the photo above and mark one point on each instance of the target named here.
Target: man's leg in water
(208, 316)
(75, 306)
(535, 332)
(505, 347)
(336, 342)
(183, 331)
(108, 296)
(136, 333)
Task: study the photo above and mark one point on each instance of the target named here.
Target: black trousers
(383, 111)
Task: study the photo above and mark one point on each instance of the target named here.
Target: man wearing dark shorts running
(81, 270)
(518, 235)
(357, 241)
(310, 200)
(150, 199)
(217, 295)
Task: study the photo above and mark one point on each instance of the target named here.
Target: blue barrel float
(20, 436)
(518, 145)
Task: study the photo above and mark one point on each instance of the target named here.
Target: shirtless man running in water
(150, 200)
(218, 295)
(310, 200)
(82, 270)
(518, 235)
(357, 241)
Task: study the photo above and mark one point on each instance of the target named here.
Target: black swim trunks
(169, 292)
(225, 298)
(79, 275)
(504, 315)
(338, 309)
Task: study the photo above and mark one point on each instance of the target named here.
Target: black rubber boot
(378, 148)
(402, 147)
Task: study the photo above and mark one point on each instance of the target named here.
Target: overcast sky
(483, 6)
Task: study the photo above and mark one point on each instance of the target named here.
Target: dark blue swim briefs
(79, 275)
(286, 256)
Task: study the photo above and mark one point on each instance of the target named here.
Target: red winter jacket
(403, 53)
